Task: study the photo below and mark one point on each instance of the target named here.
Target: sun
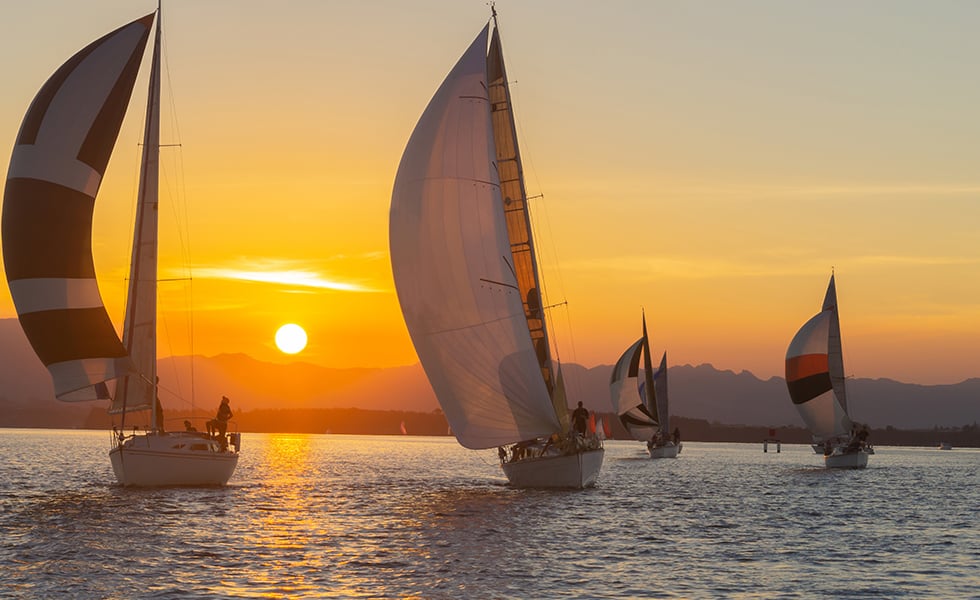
(291, 338)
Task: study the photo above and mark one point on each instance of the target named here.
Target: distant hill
(696, 392)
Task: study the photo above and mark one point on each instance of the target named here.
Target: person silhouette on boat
(219, 425)
(580, 419)
(677, 436)
(189, 427)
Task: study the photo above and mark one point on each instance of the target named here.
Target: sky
(709, 163)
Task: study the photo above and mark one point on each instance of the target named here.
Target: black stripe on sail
(97, 147)
(72, 334)
(808, 388)
(47, 231)
(627, 419)
(39, 107)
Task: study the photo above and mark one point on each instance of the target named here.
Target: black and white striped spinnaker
(56, 169)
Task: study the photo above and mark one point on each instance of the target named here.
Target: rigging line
(472, 325)
(527, 164)
(181, 203)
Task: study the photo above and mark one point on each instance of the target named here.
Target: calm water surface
(329, 516)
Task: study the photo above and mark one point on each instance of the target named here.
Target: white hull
(566, 471)
(666, 451)
(849, 460)
(150, 460)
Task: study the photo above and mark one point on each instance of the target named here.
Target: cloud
(289, 273)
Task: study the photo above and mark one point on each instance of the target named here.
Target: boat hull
(849, 460)
(171, 460)
(666, 451)
(577, 471)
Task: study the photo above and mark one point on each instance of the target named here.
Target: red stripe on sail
(806, 365)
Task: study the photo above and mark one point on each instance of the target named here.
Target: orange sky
(710, 162)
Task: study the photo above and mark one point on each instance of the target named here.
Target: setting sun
(291, 338)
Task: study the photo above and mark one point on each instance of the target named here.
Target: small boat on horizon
(56, 168)
(816, 383)
(465, 270)
(643, 407)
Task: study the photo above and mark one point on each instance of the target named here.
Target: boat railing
(233, 435)
(530, 449)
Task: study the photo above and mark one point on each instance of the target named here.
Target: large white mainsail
(458, 281)
(56, 169)
(139, 391)
(814, 373)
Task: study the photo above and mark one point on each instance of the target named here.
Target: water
(328, 516)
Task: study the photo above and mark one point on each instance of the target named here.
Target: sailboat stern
(577, 471)
(172, 459)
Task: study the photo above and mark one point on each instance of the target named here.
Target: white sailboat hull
(565, 471)
(846, 460)
(668, 450)
(151, 460)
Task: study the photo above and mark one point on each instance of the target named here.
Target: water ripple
(386, 517)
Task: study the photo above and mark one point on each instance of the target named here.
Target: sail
(454, 272)
(56, 168)
(627, 400)
(834, 352)
(138, 391)
(660, 387)
(560, 401)
(809, 380)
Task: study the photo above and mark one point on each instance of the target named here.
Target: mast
(514, 196)
(139, 391)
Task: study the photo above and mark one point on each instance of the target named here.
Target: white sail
(835, 355)
(454, 271)
(138, 391)
(808, 377)
(660, 387)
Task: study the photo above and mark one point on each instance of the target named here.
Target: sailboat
(466, 274)
(642, 405)
(815, 378)
(57, 166)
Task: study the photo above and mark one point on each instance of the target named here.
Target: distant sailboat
(467, 279)
(56, 168)
(639, 405)
(815, 378)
